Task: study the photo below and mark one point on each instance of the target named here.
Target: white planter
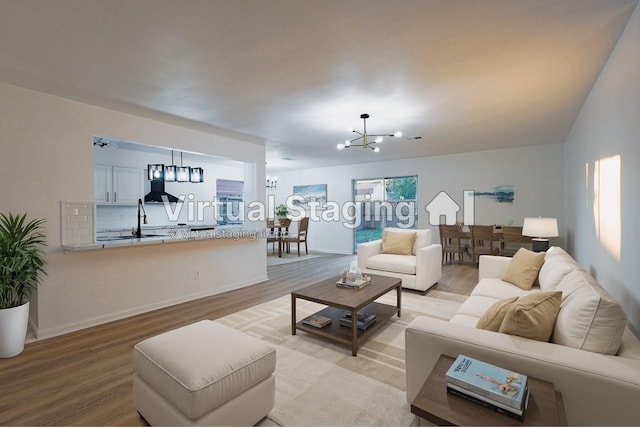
(13, 330)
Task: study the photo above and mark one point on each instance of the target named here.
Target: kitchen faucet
(139, 230)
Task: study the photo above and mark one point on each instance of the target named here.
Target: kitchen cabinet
(117, 185)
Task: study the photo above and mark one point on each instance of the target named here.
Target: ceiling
(465, 75)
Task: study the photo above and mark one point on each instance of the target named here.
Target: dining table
(465, 233)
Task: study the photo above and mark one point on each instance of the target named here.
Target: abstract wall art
(501, 193)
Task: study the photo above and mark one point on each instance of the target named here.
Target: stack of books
(364, 320)
(355, 284)
(317, 321)
(493, 387)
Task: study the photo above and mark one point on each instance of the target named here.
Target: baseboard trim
(41, 334)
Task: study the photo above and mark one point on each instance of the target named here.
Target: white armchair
(418, 271)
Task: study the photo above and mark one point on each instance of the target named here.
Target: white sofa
(597, 389)
(418, 271)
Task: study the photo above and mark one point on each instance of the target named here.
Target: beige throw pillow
(398, 242)
(492, 319)
(533, 316)
(523, 268)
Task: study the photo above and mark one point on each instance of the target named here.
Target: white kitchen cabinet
(117, 185)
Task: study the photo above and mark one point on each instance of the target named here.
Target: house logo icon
(445, 205)
(442, 205)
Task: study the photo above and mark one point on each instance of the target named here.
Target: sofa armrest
(492, 266)
(366, 250)
(428, 266)
(596, 389)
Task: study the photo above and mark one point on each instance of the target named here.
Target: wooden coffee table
(434, 404)
(340, 300)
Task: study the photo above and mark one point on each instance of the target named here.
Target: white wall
(605, 237)
(537, 173)
(47, 157)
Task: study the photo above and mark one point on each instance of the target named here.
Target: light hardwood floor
(84, 378)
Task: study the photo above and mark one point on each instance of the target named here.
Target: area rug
(319, 383)
(274, 260)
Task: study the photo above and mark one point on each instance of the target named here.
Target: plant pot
(13, 330)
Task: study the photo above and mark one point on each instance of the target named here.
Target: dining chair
(283, 233)
(451, 242)
(482, 242)
(272, 236)
(513, 235)
(300, 237)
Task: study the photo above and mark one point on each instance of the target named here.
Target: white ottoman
(203, 374)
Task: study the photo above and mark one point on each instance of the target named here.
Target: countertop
(169, 234)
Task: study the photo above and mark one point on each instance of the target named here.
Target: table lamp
(540, 228)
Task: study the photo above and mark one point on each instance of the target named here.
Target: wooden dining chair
(451, 242)
(283, 233)
(482, 242)
(513, 240)
(300, 237)
(272, 236)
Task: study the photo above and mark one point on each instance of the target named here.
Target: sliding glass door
(384, 202)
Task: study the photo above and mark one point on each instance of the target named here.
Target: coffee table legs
(399, 299)
(293, 315)
(354, 333)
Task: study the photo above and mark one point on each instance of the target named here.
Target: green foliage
(282, 210)
(401, 188)
(21, 258)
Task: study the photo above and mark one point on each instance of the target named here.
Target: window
(384, 202)
(230, 199)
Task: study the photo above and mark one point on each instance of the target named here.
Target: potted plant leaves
(282, 211)
(22, 265)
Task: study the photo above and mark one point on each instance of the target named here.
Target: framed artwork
(502, 193)
(316, 193)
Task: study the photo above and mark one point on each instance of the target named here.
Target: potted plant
(21, 267)
(282, 211)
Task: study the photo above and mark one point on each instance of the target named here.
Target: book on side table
(492, 386)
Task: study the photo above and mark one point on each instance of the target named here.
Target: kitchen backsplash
(114, 217)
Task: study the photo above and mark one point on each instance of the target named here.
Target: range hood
(157, 193)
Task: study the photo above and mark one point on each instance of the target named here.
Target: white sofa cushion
(589, 319)
(499, 289)
(392, 263)
(555, 251)
(476, 306)
(554, 269)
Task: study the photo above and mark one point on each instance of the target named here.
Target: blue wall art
(502, 193)
(316, 193)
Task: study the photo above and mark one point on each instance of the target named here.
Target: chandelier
(366, 143)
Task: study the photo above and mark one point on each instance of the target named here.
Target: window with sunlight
(607, 204)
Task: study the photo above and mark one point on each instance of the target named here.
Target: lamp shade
(540, 227)
(155, 172)
(183, 173)
(196, 175)
(170, 173)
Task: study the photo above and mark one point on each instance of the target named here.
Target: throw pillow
(589, 318)
(397, 242)
(492, 319)
(523, 268)
(533, 316)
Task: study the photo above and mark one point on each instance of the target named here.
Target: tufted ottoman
(203, 374)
